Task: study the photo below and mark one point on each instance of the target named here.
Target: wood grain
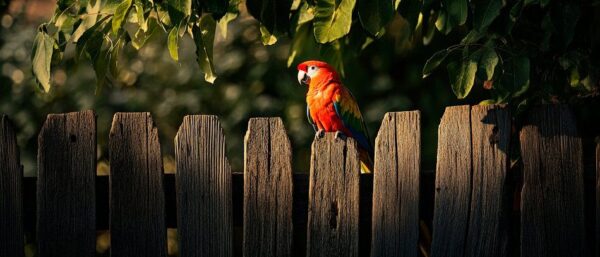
(11, 191)
(395, 229)
(333, 206)
(66, 193)
(597, 198)
(203, 179)
(267, 189)
(488, 223)
(137, 202)
(452, 183)
(552, 222)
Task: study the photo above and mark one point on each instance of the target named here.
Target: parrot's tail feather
(366, 163)
(364, 168)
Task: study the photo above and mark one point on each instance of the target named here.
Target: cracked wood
(267, 189)
(137, 201)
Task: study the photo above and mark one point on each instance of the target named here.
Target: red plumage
(332, 108)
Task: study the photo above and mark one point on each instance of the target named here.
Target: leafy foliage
(500, 41)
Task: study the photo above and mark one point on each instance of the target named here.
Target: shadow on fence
(333, 211)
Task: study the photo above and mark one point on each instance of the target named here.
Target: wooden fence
(333, 211)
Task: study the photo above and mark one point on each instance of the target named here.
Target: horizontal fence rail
(332, 211)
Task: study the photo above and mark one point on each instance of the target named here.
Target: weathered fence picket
(552, 221)
(488, 217)
(267, 190)
(452, 183)
(66, 193)
(11, 190)
(395, 222)
(271, 211)
(470, 211)
(203, 181)
(137, 202)
(333, 201)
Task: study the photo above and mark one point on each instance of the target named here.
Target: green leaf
(487, 102)
(179, 10)
(218, 8)
(141, 36)
(304, 46)
(472, 37)
(173, 43)
(101, 64)
(115, 52)
(514, 14)
(544, 3)
(89, 20)
(488, 61)
(434, 61)
(574, 77)
(92, 32)
(63, 4)
(457, 12)
(565, 20)
(462, 77)
(266, 37)
(204, 36)
(306, 13)
(375, 14)
(410, 10)
(141, 18)
(485, 12)
(428, 30)
(232, 13)
(333, 19)
(272, 14)
(516, 76)
(65, 23)
(224, 22)
(43, 45)
(333, 54)
(120, 15)
(443, 22)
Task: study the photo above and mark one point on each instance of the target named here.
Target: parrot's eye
(312, 70)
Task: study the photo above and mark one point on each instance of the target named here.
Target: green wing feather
(310, 120)
(347, 110)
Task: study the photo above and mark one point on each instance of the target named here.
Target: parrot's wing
(310, 120)
(347, 110)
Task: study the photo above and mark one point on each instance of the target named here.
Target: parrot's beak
(303, 78)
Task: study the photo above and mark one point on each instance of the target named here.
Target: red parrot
(330, 107)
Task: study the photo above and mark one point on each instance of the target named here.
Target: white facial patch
(312, 71)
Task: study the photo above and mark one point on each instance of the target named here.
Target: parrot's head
(315, 70)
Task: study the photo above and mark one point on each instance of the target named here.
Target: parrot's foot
(340, 135)
(320, 133)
